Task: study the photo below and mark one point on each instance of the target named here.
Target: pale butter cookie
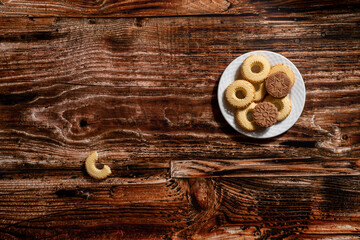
(240, 93)
(285, 69)
(255, 68)
(93, 170)
(260, 91)
(244, 118)
(283, 105)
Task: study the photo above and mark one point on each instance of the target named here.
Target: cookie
(285, 69)
(255, 68)
(260, 91)
(283, 105)
(278, 84)
(245, 119)
(240, 93)
(93, 171)
(265, 114)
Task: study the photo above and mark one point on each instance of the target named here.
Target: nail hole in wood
(83, 123)
(139, 21)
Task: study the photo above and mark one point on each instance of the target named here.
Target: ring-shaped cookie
(260, 91)
(242, 119)
(283, 103)
(255, 68)
(240, 93)
(285, 69)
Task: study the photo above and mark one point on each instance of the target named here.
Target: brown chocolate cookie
(278, 84)
(265, 114)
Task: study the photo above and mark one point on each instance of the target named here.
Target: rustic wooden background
(136, 80)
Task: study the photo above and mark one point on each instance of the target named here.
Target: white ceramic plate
(297, 95)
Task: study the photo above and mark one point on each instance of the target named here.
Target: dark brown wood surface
(141, 90)
(156, 8)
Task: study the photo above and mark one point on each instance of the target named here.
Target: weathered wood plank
(264, 168)
(132, 207)
(142, 97)
(144, 8)
(283, 208)
(59, 206)
(143, 92)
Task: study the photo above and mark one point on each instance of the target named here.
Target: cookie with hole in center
(245, 119)
(240, 93)
(265, 114)
(285, 69)
(284, 106)
(255, 68)
(278, 84)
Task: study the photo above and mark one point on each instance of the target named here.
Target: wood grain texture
(141, 96)
(62, 207)
(285, 208)
(142, 92)
(264, 168)
(147, 8)
(58, 206)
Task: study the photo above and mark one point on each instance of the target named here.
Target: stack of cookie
(261, 97)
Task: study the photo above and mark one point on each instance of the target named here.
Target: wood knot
(202, 195)
(92, 21)
(357, 163)
(82, 193)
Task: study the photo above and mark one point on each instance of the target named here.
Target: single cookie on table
(278, 85)
(260, 91)
(240, 93)
(265, 114)
(244, 118)
(282, 104)
(285, 69)
(255, 68)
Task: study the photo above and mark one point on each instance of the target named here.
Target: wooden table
(137, 81)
